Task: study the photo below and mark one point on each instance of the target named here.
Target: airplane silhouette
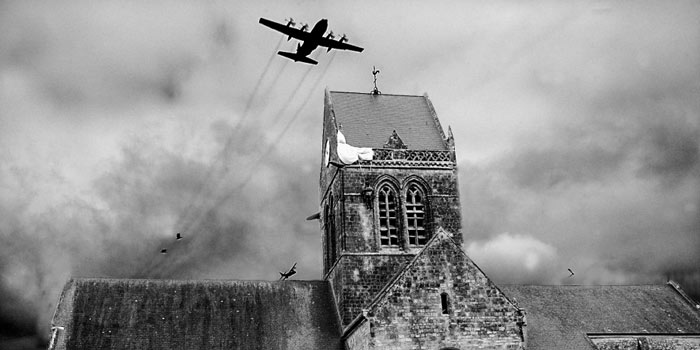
(572, 273)
(284, 276)
(312, 39)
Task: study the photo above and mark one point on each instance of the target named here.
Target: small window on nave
(445, 301)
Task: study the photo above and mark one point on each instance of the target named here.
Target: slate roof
(368, 120)
(203, 314)
(558, 317)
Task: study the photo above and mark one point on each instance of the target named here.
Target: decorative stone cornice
(410, 158)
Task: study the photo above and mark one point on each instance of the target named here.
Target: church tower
(388, 182)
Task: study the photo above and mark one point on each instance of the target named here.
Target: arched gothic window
(415, 216)
(388, 216)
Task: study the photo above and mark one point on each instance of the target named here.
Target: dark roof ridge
(633, 334)
(677, 287)
(369, 93)
(111, 279)
(584, 285)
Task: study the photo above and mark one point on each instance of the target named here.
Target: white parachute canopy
(349, 154)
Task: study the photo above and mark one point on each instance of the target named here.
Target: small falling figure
(163, 251)
(179, 237)
(284, 276)
(572, 273)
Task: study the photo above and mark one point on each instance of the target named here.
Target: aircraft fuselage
(309, 45)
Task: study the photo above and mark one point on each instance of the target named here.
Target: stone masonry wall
(357, 279)
(359, 339)
(655, 342)
(442, 202)
(410, 316)
(334, 191)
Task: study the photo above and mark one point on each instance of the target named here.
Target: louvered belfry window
(415, 215)
(388, 217)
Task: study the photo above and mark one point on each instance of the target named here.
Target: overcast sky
(577, 127)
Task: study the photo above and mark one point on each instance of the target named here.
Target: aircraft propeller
(343, 38)
(330, 36)
(290, 22)
(304, 27)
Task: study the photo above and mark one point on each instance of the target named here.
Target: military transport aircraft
(312, 39)
(285, 275)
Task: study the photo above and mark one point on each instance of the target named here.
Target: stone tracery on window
(415, 216)
(388, 216)
(402, 219)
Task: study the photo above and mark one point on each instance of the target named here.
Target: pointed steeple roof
(368, 119)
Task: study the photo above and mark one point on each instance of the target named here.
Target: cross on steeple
(376, 91)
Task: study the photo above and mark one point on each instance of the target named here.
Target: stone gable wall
(359, 339)
(410, 315)
(358, 278)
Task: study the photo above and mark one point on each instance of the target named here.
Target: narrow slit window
(445, 301)
(415, 215)
(331, 230)
(388, 217)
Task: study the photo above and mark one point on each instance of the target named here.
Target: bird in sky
(178, 237)
(572, 273)
(163, 251)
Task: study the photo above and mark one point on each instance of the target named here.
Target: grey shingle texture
(558, 317)
(205, 314)
(368, 120)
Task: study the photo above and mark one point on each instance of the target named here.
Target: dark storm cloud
(607, 175)
(672, 151)
(120, 231)
(577, 127)
(616, 196)
(83, 195)
(111, 53)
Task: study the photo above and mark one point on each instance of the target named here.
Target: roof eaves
(640, 334)
(356, 322)
(438, 126)
(677, 287)
(339, 319)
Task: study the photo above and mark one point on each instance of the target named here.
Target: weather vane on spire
(376, 91)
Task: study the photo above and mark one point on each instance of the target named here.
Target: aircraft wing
(335, 44)
(292, 32)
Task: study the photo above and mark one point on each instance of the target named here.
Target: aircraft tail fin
(296, 57)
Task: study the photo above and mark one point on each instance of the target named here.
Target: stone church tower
(392, 230)
(377, 214)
